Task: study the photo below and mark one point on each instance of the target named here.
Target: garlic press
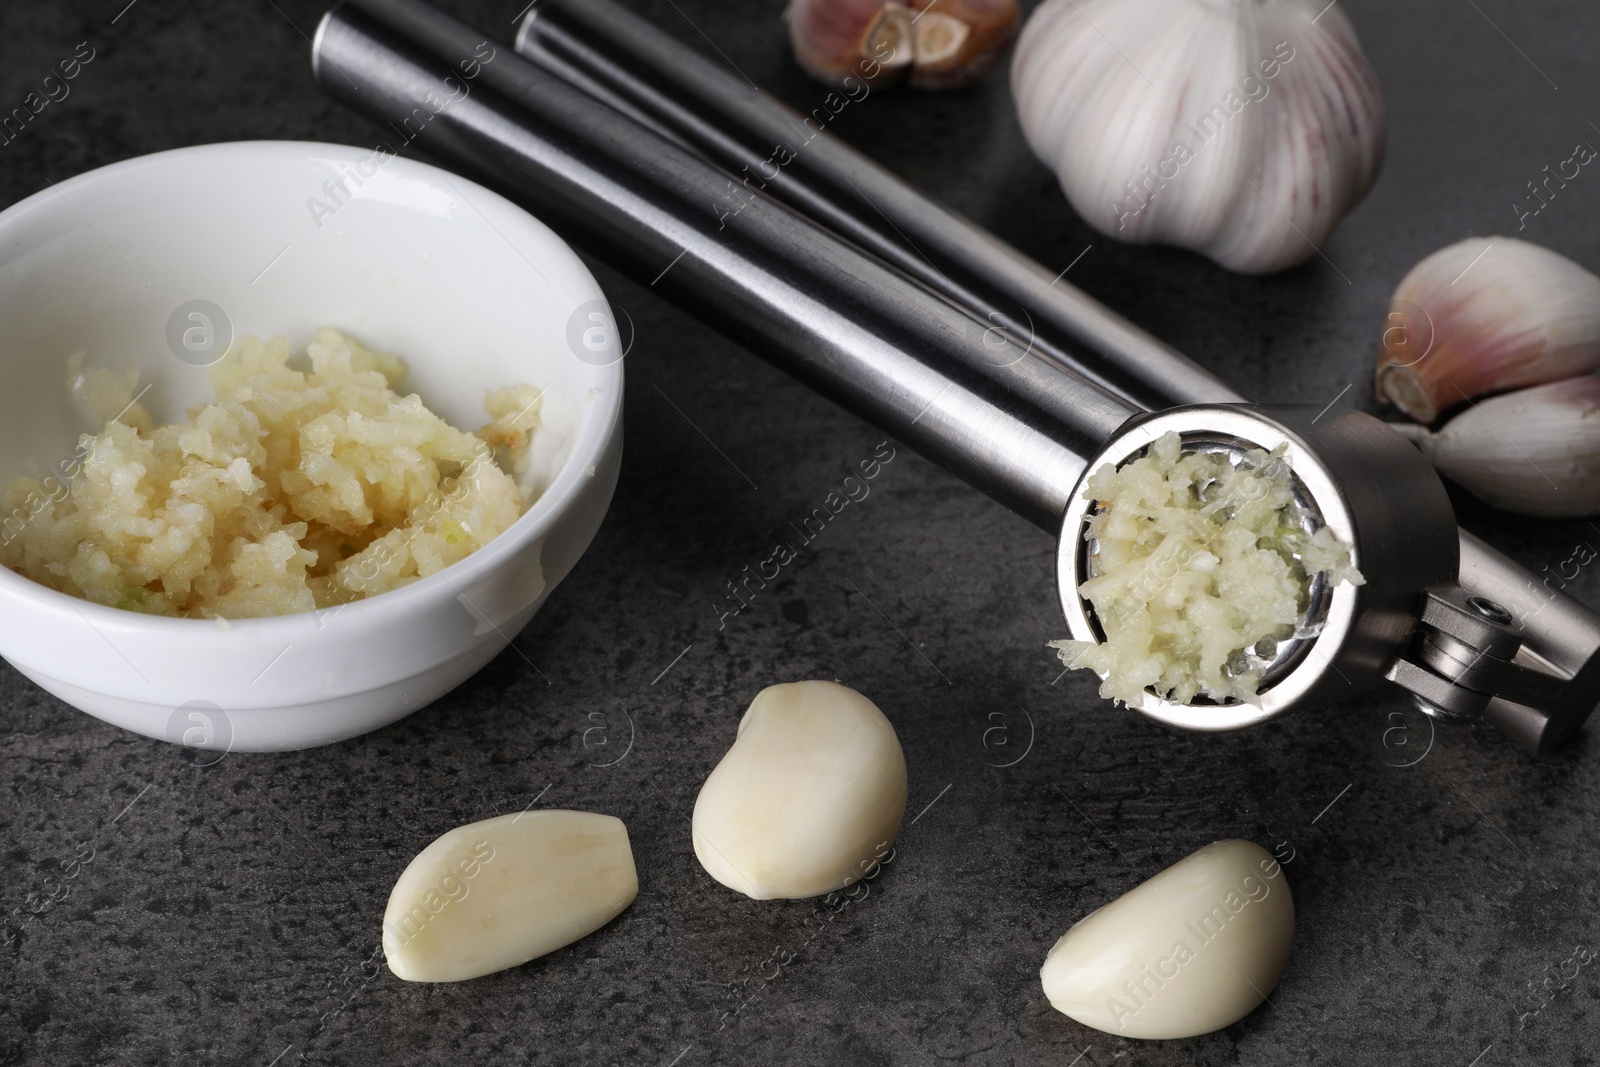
(922, 323)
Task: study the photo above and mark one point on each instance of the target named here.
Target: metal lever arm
(913, 363)
(609, 51)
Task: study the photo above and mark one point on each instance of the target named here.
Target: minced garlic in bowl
(309, 482)
(1200, 567)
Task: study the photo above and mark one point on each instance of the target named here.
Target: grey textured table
(157, 912)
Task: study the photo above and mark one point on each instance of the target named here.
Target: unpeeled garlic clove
(956, 41)
(1242, 129)
(1535, 451)
(838, 39)
(1482, 316)
(498, 893)
(809, 797)
(878, 41)
(1194, 949)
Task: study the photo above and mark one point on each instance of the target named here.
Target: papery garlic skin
(954, 42)
(1482, 316)
(1242, 129)
(838, 39)
(809, 797)
(936, 44)
(1194, 949)
(498, 893)
(1535, 451)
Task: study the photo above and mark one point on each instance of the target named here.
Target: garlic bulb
(940, 44)
(1485, 315)
(1535, 451)
(1242, 129)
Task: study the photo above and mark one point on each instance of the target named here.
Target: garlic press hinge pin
(1463, 654)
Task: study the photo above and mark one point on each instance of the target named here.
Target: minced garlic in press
(1197, 562)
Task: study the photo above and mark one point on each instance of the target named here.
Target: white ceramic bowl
(472, 291)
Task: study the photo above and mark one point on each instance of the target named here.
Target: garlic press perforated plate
(917, 320)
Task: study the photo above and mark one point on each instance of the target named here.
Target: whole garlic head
(1242, 129)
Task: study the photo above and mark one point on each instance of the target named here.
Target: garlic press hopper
(635, 148)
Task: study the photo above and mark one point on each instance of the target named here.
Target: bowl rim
(588, 446)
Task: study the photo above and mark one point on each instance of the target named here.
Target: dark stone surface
(230, 914)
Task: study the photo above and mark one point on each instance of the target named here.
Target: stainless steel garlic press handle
(921, 367)
(614, 54)
(1016, 422)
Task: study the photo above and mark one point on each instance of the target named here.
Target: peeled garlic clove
(1485, 315)
(1242, 129)
(1535, 451)
(875, 41)
(498, 893)
(809, 797)
(1196, 948)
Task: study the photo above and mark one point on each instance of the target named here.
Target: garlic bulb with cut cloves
(1535, 451)
(934, 44)
(1242, 129)
(1482, 316)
